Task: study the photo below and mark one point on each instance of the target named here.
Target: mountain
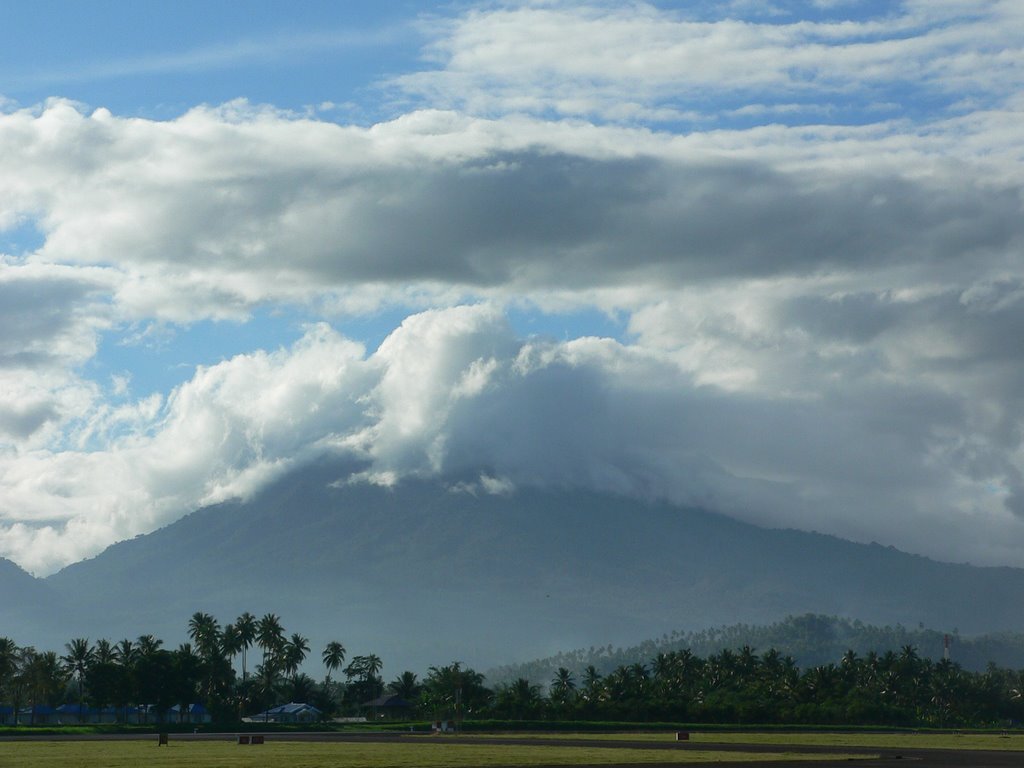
(421, 574)
(810, 639)
(31, 612)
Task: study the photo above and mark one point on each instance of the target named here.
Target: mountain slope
(31, 612)
(422, 575)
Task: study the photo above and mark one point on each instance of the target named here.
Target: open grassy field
(129, 754)
(967, 741)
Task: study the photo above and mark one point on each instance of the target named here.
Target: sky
(764, 258)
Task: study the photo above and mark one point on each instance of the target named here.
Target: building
(287, 713)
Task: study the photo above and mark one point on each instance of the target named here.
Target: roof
(292, 708)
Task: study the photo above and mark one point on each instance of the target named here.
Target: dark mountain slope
(30, 611)
(422, 575)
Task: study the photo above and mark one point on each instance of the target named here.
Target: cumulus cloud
(823, 319)
(218, 211)
(455, 395)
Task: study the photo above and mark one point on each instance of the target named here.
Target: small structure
(292, 712)
(6, 714)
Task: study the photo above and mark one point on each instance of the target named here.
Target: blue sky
(160, 59)
(772, 249)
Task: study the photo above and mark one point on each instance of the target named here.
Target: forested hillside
(810, 639)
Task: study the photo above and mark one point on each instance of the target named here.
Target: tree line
(740, 686)
(811, 639)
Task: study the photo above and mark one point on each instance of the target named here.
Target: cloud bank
(822, 293)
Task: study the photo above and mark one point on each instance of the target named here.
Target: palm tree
(591, 683)
(454, 689)
(333, 657)
(270, 635)
(562, 686)
(8, 661)
(126, 653)
(45, 679)
(520, 699)
(267, 684)
(245, 627)
(148, 645)
(405, 685)
(104, 653)
(78, 658)
(295, 652)
(231, 642)
(204, 630)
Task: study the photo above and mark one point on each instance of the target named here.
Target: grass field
(1014, 742)
(129, 754)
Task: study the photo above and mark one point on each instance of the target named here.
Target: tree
(301, 688)
(519, 700)
(187, 674)
(563, 687)
(104, 652)
(592, 687)
(333, 657)
(246, 628)
(454, 691)
(363, 677)
(155, 677)
(270, 635)
(44, 677)
(231, 642)
(405, 685)
(77, 659)
(204, 630)
(148, 645)
(267, 684)
(295, 652)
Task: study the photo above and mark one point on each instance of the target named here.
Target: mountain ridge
(422, 574)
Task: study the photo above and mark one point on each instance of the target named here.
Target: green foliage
(811, 640)
(895, 684)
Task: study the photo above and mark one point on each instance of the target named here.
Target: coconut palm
(270, 636)
(405, 685)
(204, 630)
(148, 645)
(231, 642)
(563, 685)
(591, 683)
(104, 652)
(520, 699)
(45, 679)
(333, 657)
(245, 627)
(77, 660)
(295, 651)
(126, 653)
(8, 661)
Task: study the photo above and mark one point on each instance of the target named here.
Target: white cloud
(593, 59)
(454, 394)
(823, 319)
